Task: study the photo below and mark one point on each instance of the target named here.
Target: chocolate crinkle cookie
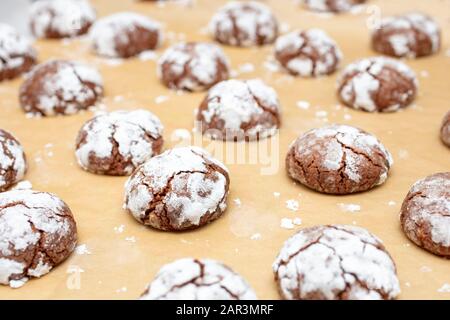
(60, 87)
(13, 165)
(180, 189)
(16, 53)
(193, 66)
(412, 35)
(244, 24)
(116, 143)
(335, 262)
(55, 19)
(425, 214)
(338, 159)
(308, 53)
(335, 6)
(445, 129)
(124, 35)
(239, 110)
(377, 85)
(37, 232)
(197, 279)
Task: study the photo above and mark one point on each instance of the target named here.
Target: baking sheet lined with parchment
(117, 256)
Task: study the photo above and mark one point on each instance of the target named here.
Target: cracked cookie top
(239, 110)
(411, 35)
(308, 53)
(13, 163)
(338, 159)
(116, 143)
(377, 84)
(244, 24)
(124, 35)
(60, 87)
(445, 129)
(193, 66)
(425, 214)
(335, 6)
(61, 19)
(37, 232)
(197, 279)
(182, 188)
(16, 53)
(335, 262)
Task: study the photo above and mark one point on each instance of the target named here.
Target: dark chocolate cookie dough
(425, 214)
(335, 262)
(60, 87)
(116, 143)
(338, 159)
(445, 129)
(13, 163)
(197, 279)
(180, 189)
(37, 232)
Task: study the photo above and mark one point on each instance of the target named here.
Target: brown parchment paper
(124, 255)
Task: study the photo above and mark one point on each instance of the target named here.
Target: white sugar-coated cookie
(377, 84)
(240, 110)
(37, 232)
(334, 6)
(335, 262)
(124, 35)
(116, 143)
(193, 66)
(244, 24)
(13, 164)
(180, 189)
(56, 19)
(197, 279)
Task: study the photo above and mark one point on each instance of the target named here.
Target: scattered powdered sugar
(119, 229)
(256, 236)
(276, 194)
(350, 207)
(82, 249)
(303, 105)
(292, 205)
(445, 288)
(13, 48)
(237, 202)
(192, 279)
(286, 223)
(161, 99)
(425, 269)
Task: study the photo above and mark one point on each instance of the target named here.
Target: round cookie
(37, 232)
(197, 279)
(61, 19)
(239, 110)
(377, 85)
(338, 159)
(412, 35)
(16, 53)
(425, 214)
(13, 165)
(335, 6)
(193, 66)
(124, 35)
(335, 262)
(60, 87)
(445, 129)
(244, 24)
(116, 143)
(308, 53)
(180, 189)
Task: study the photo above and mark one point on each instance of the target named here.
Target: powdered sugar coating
(60, 87)
(335, 262)
(245, 24)
(240, 109)
(116, 143)
(37, 232)
(180, 189)
(425, 214)
(13, 163)
(338, 159)
(125, 34)
(198, 279)
(331, 5)
(308, 53)
(377, 84)
(61, 18)
(193, 66)
(16, 53)
(411, 35)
